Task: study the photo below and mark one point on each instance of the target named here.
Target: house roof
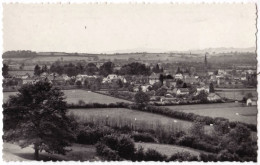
(184, 89)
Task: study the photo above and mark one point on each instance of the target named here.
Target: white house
(178, 76)
(153, 78)
(213, 97)
(251, 102)
(181, 91)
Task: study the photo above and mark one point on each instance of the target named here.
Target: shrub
(186, 140)
(122, 144)
(153, 155)
(92, 135)
(106, 152)
(224, 155)
(139, 154)
(208, 157)
(143, 137)
(183, 156)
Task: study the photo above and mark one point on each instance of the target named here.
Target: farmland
(73, 96)
(231, 111)
(168, 150)
(236, 94)
(121, 117)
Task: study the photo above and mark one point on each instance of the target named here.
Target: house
(202, 88)
(170, 83)
(109, 78)
(190, 79)
(153, 78)
(213, 97)
(181, 91)
(178, 76)
(251, 101)
(145, 88)
(28, 80)
(59, 80)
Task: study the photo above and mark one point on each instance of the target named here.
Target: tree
(37, 70)
(156, 69)
(37, 116)
(44, 68)
(141, 98)
(107, 68)
(161, 78)
(5, 70)
(211, 88)
(203, 96)
(178, 70)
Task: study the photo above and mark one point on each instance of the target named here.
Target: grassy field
(168, 150)
(13, 152)
(73, 96)
(236, 94)
(121, 117)
(231, 111)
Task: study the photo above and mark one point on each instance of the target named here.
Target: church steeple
(206, 62)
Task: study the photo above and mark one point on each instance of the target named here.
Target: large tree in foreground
(37, 116)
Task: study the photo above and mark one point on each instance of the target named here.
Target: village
(164, 84)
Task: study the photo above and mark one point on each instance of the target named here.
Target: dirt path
(13, 152)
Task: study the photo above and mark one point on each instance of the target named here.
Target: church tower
(206, 62)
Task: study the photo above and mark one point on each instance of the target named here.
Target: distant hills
(136, 53)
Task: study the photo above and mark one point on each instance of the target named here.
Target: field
(231, 111)
(236, 94)
(73, 96)
(121, 117)
(168, 150)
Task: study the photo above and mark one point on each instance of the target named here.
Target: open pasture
(73, 96)
(231, 111)
(167, 149)
(126, 117)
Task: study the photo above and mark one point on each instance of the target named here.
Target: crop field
(168, 150)
(231, 111)
(236, 94)
(73, 96)
(125, 117)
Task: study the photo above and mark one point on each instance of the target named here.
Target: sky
(106, 28)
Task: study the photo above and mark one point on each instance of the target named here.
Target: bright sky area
(101, 28)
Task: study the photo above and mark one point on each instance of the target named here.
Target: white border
(124, 1)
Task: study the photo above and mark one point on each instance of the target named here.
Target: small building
(213, 97)
(153, 78)
(178, 76)
(251, 101)
(181, 91)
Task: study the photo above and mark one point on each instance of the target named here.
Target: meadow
(73, 96)
(236, 94)
(120, 117)
(231, 111)
(167, 149)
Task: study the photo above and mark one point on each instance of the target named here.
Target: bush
(143, 137)
(92, 135)
(122, 144)
(186, 140)
(183, 156)
(153, 155)
(208, 157)
(106, 152)
(139, 154)
(224, 155)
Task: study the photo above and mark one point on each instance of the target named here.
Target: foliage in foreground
(37, 116)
